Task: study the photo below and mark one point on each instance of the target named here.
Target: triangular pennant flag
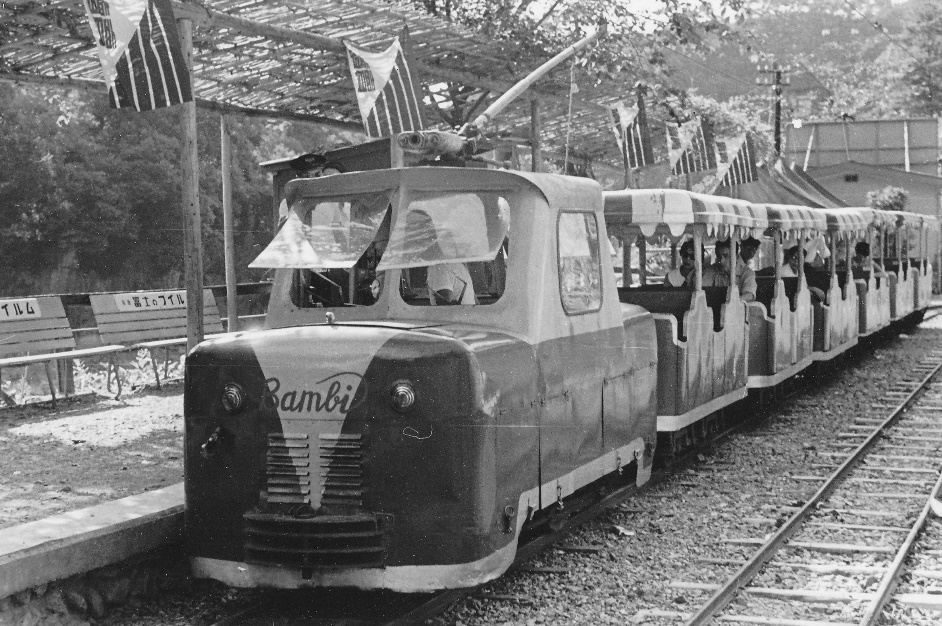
(737, 161)
(385, 88)
(630, 136)
(689, 147)
(140, 53)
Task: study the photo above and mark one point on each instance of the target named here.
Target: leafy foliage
(868, 58)
(888, 199)
(925, 73)
(91, 195)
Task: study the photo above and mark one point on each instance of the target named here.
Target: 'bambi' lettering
(332, 395)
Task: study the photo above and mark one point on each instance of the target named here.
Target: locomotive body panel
(515, 403)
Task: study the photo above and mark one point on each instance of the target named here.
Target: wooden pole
(189, 178)
(642, 260)
(698, 259)
(733, 259)
(804, 168)
(846, 140)
(626, 262)
(496, 107)
(801, 261)
(536, 146)
(225, 165)
(906, 164)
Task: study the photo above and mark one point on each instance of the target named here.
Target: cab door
(571, 362)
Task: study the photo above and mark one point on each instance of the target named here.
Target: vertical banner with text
(140, 53)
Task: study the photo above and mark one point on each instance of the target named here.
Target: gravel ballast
(652, 540)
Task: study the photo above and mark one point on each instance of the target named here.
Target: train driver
(447, 283)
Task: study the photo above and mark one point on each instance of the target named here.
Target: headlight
(402, 395)
(233, 397)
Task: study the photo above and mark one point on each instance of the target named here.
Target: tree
(888, 199)
(632, 51)
(925, 71)
(92, 198)
(845, 56)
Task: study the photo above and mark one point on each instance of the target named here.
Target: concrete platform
(79, 541)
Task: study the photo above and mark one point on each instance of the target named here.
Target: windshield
(447, 227)
(326, 233)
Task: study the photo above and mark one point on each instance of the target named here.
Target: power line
(654, 18)
(713, 69)
(880, 28)
(802, 64)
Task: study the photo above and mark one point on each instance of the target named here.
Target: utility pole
(776, 76)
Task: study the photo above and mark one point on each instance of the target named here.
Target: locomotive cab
(445, 356)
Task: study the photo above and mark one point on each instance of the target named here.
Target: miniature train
(449, 354)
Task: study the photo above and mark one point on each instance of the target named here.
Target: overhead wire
(713, 69)
(880, 28)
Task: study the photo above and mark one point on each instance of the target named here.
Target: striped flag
(690, 147)
(385, 88)
(140, 53)
(630, 126)
(737, 158)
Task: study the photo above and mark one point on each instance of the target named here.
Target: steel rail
(891, 578)
(724, 595)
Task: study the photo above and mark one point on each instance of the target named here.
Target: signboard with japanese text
(21, 308)
(150, 300)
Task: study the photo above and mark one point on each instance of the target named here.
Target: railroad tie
(832, 548)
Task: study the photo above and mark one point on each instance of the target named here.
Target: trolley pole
(776, 76)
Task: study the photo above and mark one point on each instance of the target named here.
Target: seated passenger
(790, 263)
(677, 277)
(861, 263)
(817, 252)
(717, 274)
(745, 275)
(790, 268)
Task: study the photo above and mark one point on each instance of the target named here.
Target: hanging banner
(140, 53)
(386, 94)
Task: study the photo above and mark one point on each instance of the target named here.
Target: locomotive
(450, 355)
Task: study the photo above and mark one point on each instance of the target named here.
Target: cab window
(452, 247)
(335, 246)
(580, 272)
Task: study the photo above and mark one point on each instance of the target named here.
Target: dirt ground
(88, 450)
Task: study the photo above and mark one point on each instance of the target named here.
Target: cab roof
(560, 192)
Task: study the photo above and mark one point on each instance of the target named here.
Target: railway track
(840, 557)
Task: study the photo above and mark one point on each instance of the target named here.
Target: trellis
(285, 59)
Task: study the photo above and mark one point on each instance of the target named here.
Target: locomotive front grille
(321, 541)
(287, 469)
(341, 465)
